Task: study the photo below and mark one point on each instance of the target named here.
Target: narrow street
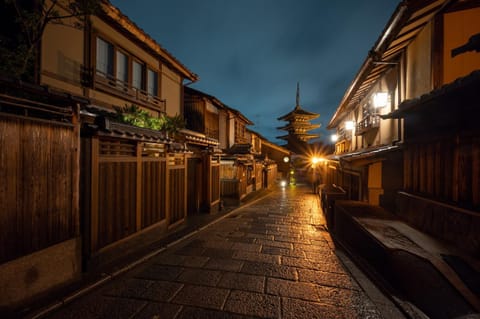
(272, 258)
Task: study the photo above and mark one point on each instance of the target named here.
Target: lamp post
(314, 161)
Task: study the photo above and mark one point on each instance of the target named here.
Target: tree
(23, 26)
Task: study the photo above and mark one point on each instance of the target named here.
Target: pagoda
(298, 127)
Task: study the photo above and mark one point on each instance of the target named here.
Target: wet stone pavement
(270, 259)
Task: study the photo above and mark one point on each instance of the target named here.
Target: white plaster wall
(419, 64)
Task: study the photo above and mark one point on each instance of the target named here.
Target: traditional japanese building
(298, 127)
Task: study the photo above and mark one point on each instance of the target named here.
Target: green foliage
(136, 116)
(175, 123)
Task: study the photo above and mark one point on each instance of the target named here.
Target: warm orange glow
(459, 26)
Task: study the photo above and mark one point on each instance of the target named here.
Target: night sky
(250, 54)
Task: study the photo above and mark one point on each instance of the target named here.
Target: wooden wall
(38, 184)
(271, 175)
(177, 193)
(214, 181)
(447, 169)
(127, 190)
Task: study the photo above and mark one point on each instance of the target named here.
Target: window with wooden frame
(104, 58)
(152, 82)
(239, 132)
(121, 71)
(138, 75)
(116, 68)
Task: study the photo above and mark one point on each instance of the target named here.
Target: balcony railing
(343, 134)
(367, 123)
(125, 90)
(212, 133)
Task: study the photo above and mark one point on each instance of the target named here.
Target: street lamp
(380, 99)
(349, 125)
(314, 160)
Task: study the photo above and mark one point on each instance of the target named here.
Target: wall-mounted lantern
(286, 159)
(334, 138)
(349, 125)
(380, 99)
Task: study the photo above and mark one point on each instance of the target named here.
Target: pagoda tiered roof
(298, 124)
(301, 137)
(298, 112)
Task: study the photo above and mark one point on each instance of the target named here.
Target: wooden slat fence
(116, 200)
(271, 175)
(215, 183)
(258, 175)
(38, 177)
(176, 185)
(153, 190)
(130, 187)
(447, 169)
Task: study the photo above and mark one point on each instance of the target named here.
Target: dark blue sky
(251, 53)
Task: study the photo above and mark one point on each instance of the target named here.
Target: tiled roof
(406, 22)
(129, 26)
(120, 130)
(240, 149)
(464, 92)
(369, 153)
(198, 138)
(298, 111)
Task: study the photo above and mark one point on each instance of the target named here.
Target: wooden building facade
(202, 114)
(388, 144)
(441, 190)
(89, 169)
(403, 64)
(81, 182)
(39, 196)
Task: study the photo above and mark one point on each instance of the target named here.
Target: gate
(128, 186)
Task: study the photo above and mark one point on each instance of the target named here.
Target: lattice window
(117, 148)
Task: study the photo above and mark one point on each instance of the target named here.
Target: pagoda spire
(298, 126)
(297, 105)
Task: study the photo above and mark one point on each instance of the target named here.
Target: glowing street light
(314, 160)
(349, 125)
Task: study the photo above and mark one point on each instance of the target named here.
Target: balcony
(370, 122)
(124, 90)
(212, 133)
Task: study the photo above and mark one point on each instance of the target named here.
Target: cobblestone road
(271, 259)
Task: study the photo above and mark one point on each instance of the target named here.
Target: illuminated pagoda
(298, 127)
